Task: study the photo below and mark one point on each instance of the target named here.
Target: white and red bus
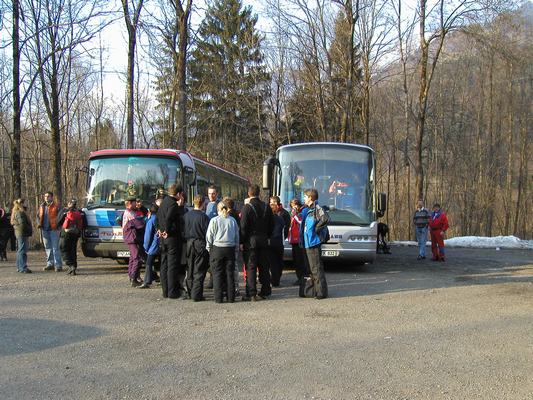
(345, 177)
(114, 175)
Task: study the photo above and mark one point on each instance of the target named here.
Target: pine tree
(228, 84)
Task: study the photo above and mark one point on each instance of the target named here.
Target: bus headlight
(91, 233)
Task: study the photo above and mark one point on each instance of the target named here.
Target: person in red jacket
(72, 223)
(438, 224)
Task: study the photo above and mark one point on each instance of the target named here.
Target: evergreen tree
(228, 85)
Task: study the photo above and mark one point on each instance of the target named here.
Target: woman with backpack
(71, 221)
(23, 230)
(313, 232)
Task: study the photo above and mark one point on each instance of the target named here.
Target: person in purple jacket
(131, 227)
(151, 246)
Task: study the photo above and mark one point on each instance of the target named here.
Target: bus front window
(341, 175)
(116, 178)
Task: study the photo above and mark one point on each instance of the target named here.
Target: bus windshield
(113, 179)
(342, 175)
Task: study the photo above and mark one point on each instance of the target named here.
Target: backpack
(323, 234)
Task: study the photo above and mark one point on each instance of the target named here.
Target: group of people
(215, 237)
(60, 230)
(437, 224)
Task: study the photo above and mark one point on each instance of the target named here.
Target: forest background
(442, 90)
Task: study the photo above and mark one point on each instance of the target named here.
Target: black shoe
(26, 271)
(135, 283)
(419, 257)
(144, 286)
(246, 298)
(320, 297)
(199, 299)
(48, 268)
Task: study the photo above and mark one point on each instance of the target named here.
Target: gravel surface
(396, 329)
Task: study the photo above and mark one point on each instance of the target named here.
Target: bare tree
(15, 142)
(449, 16)
(58, 29)
(170, 35)
(132, 15)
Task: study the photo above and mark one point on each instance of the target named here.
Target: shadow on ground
(27, 335)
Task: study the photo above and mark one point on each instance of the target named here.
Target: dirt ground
(396, 329)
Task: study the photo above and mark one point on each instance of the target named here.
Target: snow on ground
(497, 242)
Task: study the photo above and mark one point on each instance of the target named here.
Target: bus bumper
(104, 249)
(362, 252)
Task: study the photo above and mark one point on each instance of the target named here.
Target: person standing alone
(48, 213)
(421, 221)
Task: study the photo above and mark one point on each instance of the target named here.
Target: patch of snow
(497, 242)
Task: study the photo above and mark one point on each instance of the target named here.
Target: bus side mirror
(382, 204)
(268, 173)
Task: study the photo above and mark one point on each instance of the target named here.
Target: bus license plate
(123, 254)
(330, 253)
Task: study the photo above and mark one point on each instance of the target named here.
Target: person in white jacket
(222, 243)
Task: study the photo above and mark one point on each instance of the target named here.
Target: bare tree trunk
(132, 24)
(15, 143)
(510, 157)
(184, 16)
(352, 19)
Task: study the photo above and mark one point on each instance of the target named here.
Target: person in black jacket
(196, 223)
(5, 233)
(281, 222)
(170, 235)
(256, 230)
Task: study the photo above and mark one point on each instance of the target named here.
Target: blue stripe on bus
(105, 217)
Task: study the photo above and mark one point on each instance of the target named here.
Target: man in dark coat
(256, 230)
(196, 223)
(171, 244)
(281, 221)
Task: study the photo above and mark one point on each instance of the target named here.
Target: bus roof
(358, 146)
(158, 152)
(135, 152)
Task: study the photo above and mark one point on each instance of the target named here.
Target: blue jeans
(148, 268)
(421, 238)
(51, 246)
(22, 253)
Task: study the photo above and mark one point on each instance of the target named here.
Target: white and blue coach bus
(344, 176)
(113, 175)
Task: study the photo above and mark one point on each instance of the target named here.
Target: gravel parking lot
(396, 329)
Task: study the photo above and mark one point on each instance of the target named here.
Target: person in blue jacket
(151, 246)
(314, 218)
